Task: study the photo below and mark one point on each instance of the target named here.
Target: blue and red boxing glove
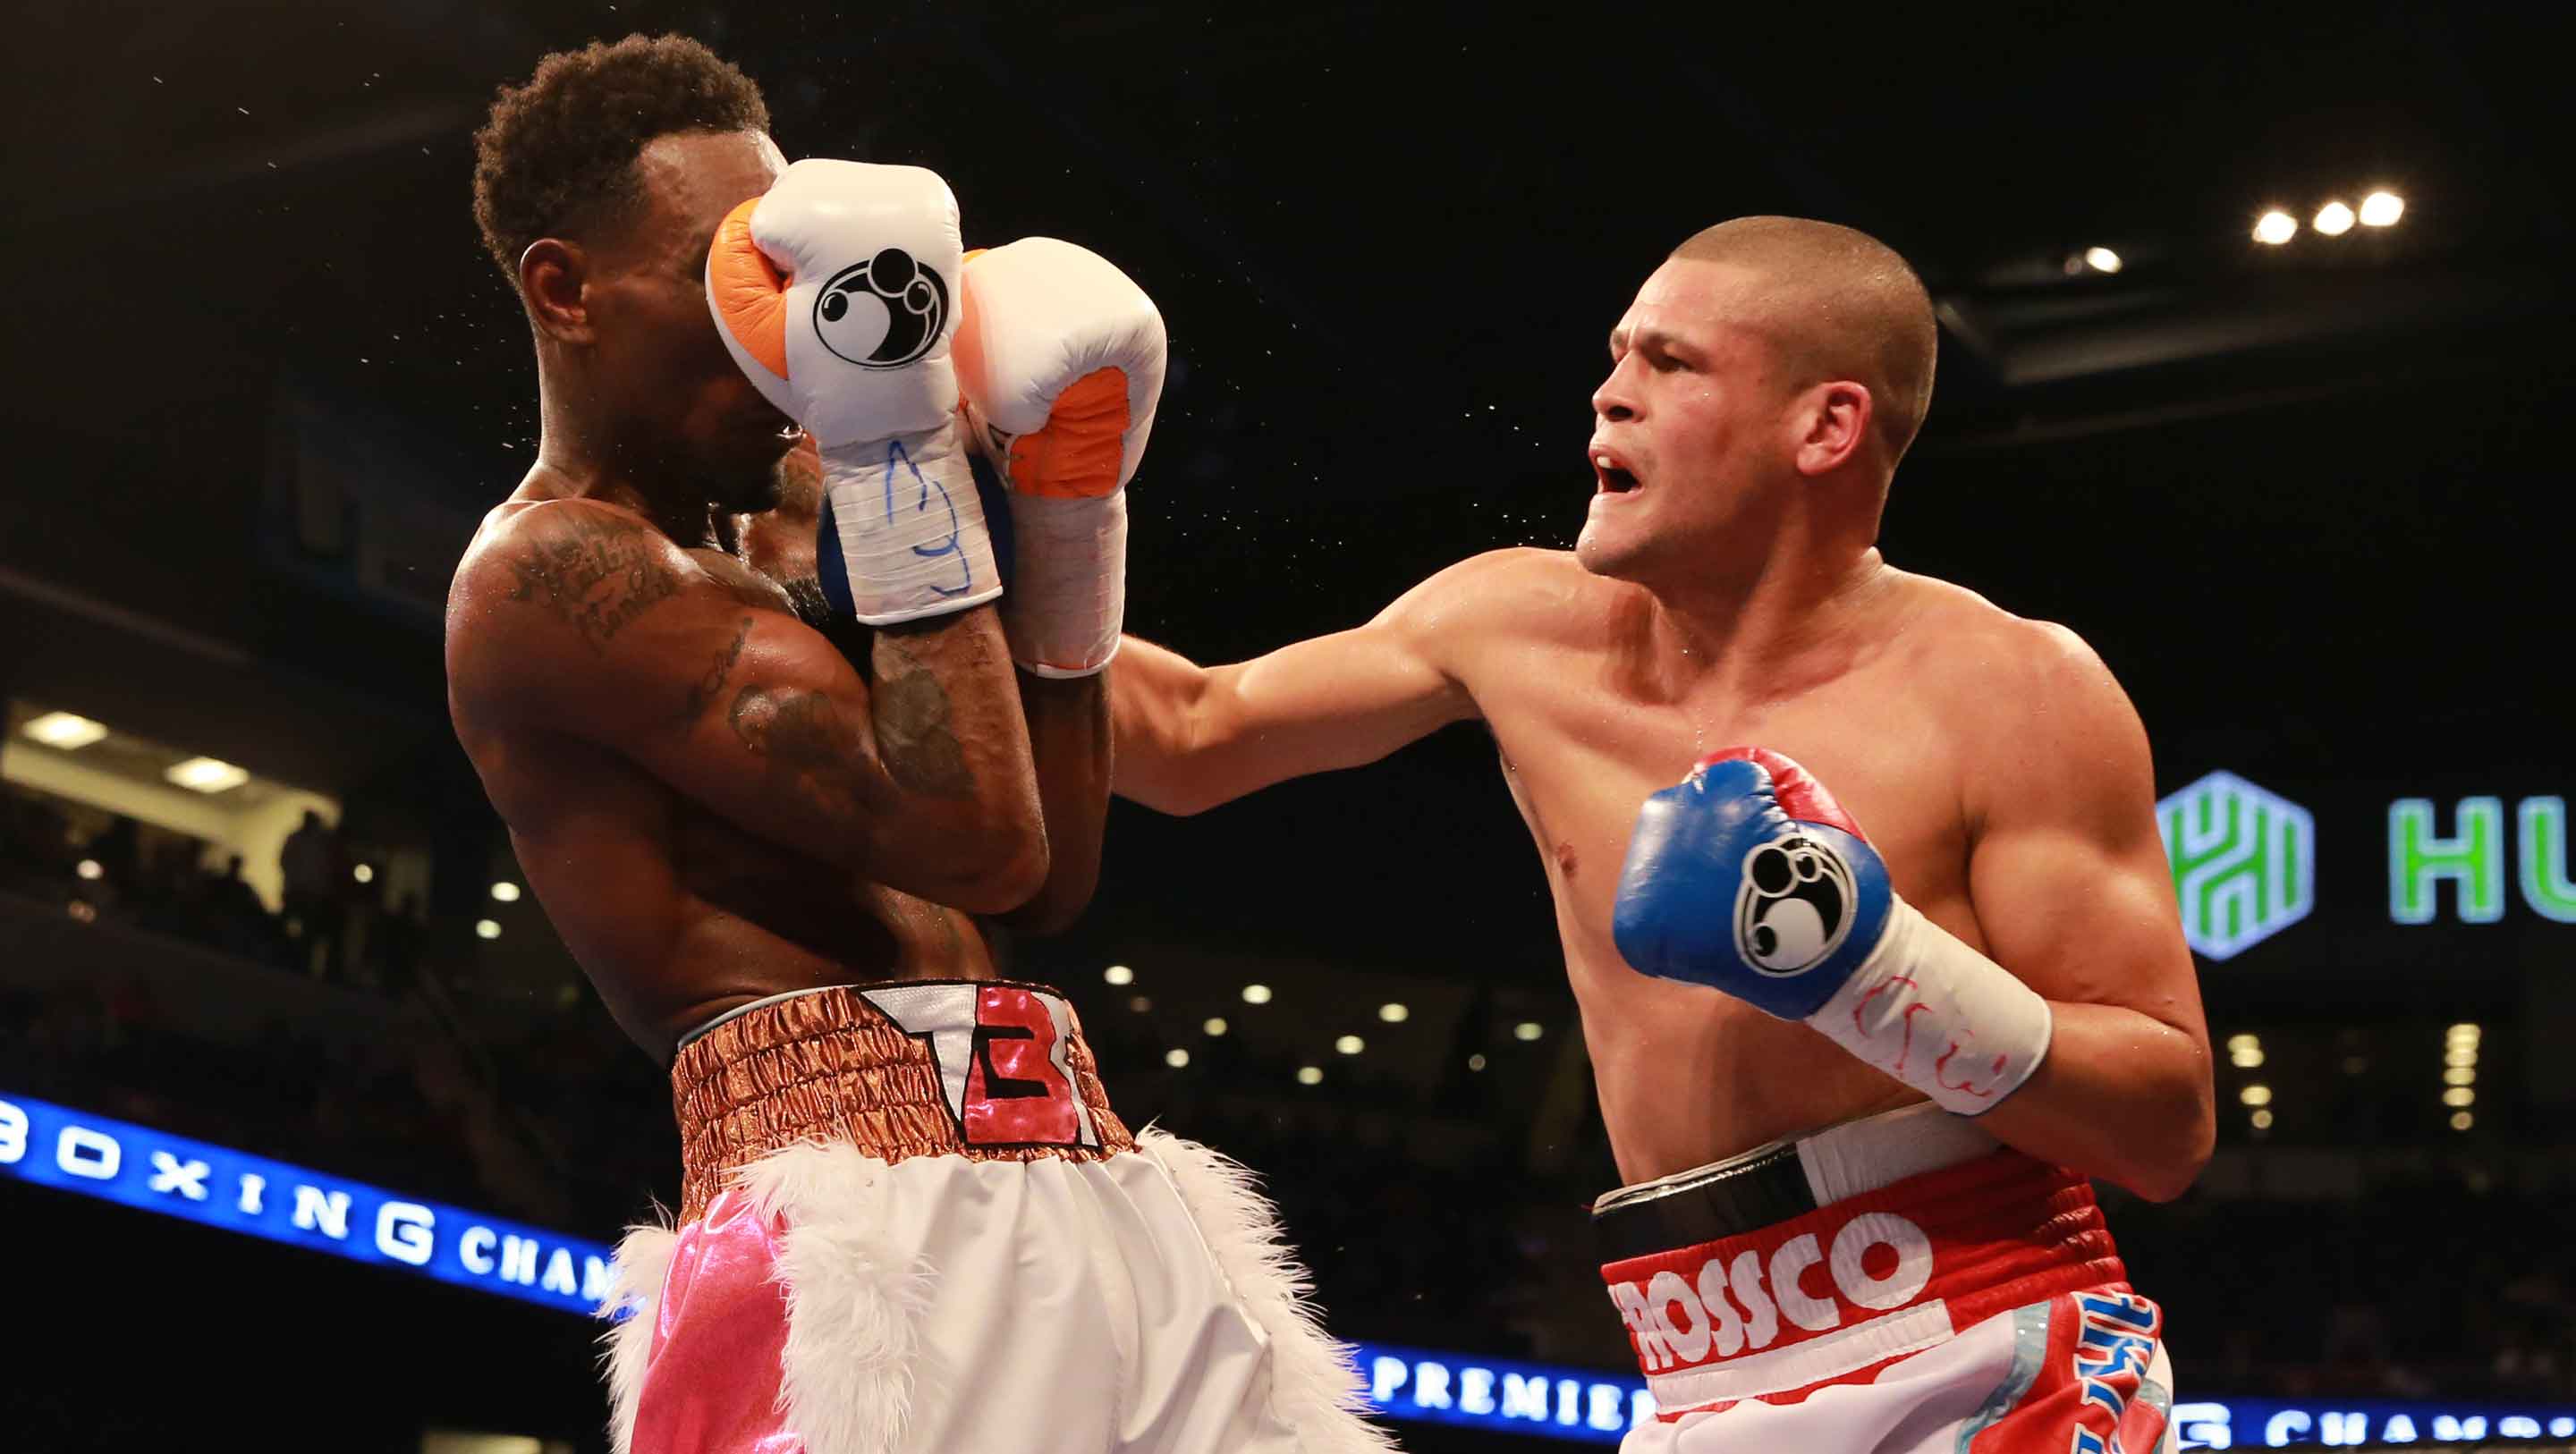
(1749, 878)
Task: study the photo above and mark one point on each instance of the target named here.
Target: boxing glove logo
(882, 313)
(1794, 905)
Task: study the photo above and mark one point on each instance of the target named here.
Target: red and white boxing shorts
(1895, 1285)
(910, 1221)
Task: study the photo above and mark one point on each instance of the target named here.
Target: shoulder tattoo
(595, 574)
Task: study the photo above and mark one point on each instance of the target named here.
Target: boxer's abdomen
(678, 916)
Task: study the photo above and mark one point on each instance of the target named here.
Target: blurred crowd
(1423, 1224)
(2429, 1286)
(328, 924)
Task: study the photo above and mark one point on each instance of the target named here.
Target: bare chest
(1582, 756)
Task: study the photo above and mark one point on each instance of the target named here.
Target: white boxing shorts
(910, 1221)
(1895, 1285)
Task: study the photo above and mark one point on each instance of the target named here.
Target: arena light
(207, 775)
(1213, 1025)
(2460, 1075)
(2244, 1042)
(89, 869)
(505, 892)
(363, 873)
(2463, 1031)
(1310, 1075)
(1140, 1003)
(1119, 974)
(1393, 1014)
(1350, 1045)
(2460, 1055)
(2382, 209)
(2462, 1120)
(1256, 994)
(2333, 219)
(2262, 1120)
(2275, 227)
(1476, 1062)
(2102, 260)
(1527, 1030)
(1176, 1057)
(487, 929)
(2255, 1095)
(64, 730)
(2458, 1096)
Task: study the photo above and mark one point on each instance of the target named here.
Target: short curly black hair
(557, 157)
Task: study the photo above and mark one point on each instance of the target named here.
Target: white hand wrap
(910, 527)
(1939, 1016)
(1068, 583)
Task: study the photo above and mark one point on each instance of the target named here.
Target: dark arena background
(295, 1167)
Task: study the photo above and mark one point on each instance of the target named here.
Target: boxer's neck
(1777, 621)
(582, 455)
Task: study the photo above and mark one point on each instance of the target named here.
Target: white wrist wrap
(1939, 1016)
(1068, 582)
(911, 527)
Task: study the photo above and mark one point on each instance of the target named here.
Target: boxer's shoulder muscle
(547, 590)
(2029, 703)
(1466, 618)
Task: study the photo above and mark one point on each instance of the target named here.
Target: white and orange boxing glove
(836, 292)
(1061, 357)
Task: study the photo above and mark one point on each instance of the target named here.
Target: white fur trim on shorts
(1144, 1304)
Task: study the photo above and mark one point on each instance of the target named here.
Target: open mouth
(1614, 477)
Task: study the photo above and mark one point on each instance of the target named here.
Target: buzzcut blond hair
(1846, 306)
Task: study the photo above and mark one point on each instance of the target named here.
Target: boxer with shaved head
(1856, 874)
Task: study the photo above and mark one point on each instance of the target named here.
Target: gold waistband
(829, 1066)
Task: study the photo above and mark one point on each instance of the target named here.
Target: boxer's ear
(1831, 420)
(552, 273)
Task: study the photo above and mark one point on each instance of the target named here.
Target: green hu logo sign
(2244, 862)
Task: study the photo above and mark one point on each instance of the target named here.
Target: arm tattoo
(913, 738)
(596, 575)
(804, 738)
(704, 690)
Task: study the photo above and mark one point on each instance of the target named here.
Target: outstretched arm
(1190, 737)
